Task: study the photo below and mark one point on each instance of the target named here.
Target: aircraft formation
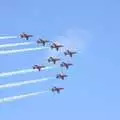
(52, 60)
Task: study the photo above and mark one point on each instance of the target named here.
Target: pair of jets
(58, 76)
(54, 60)
(53, 46)
(63, 64)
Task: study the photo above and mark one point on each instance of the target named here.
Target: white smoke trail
(17, 84)
(15, 44)
(13, 98)
(24, 71)
(79, 51)
(8, 37)
(21, 50)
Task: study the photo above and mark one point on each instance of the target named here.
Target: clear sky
(92, 89)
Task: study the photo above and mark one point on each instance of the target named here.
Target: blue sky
(92, 88)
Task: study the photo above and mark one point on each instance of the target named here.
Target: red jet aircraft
(61, 76)
(54, 60)
(41, 41)
(26, 36)
(70, 53)
(56, 46)
(55, 89)
(39, 67)
(66, 65)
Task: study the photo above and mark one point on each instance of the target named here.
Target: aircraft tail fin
(71, 55)
(67, 67)
(65, 53)
(48, 60)
(54, 62)
(57, 49)
(51, 47)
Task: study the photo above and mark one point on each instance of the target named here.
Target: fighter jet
(55, 89)
(39, 67)
(61, 76)
(26, 36)
(70, 53)
(66, 65)
(43, 42)
(56, 46)
(54, 60)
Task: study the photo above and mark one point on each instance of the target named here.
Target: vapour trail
(78, 51)
(21, 50)
(13, 98)
(15, 44)
(17, 84)
(8, 37)
(24, 71)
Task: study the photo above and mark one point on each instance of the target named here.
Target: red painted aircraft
(52, 59)
(55, 89)
(56, 46)
(39, 67)
(66, 65)
(43, 42)
(26, 36)
(61, 76)
(70, 53)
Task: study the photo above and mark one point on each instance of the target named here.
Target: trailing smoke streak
(21, 50)
(17, 72)
(13, 98)
(15, 44)
(78, 51)
(8, 37)
(22, 71)
(17, 84)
